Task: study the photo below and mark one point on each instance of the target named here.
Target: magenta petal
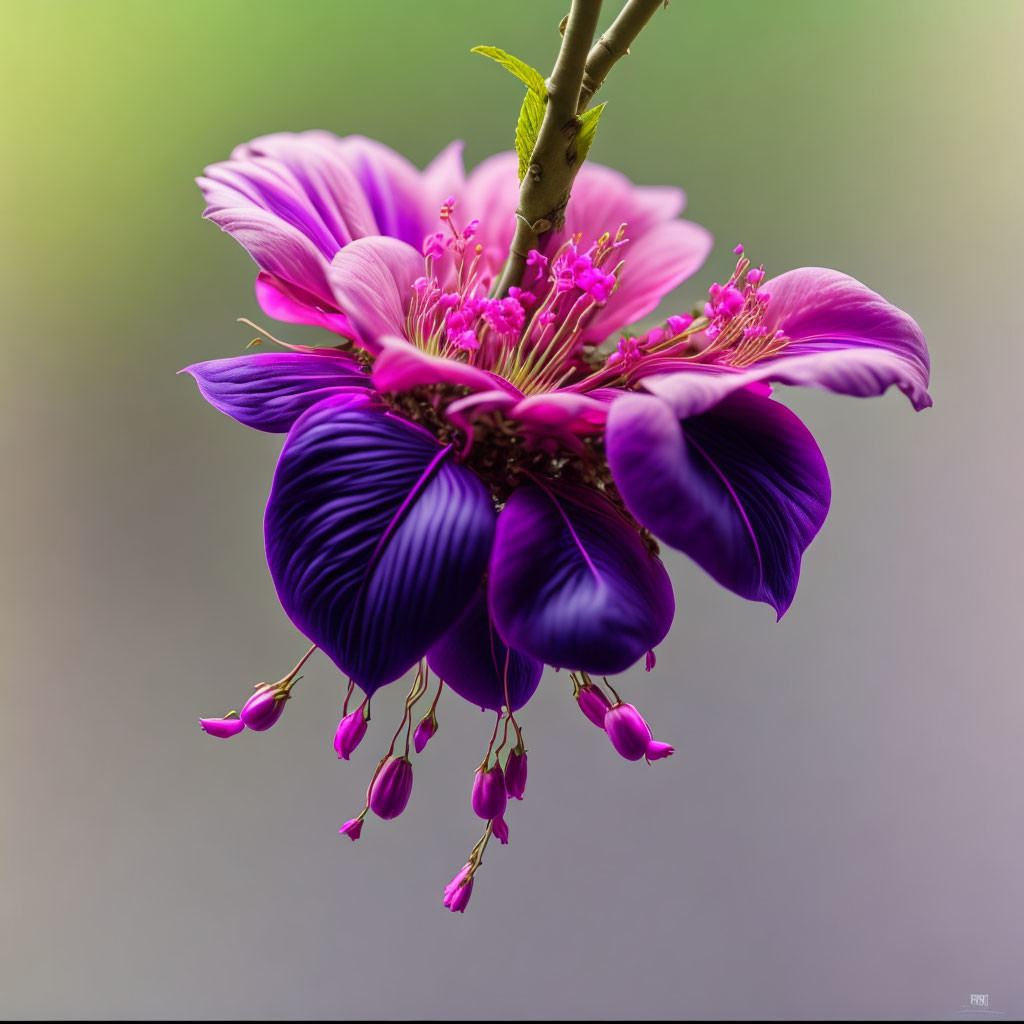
(477, 665)
(222, 728)
(270, 390)
(400, 365)
(293, 305)
(572, 583)
(561, 413)
(371, 280)
(843, 337)
(742, 488)
(376, 538)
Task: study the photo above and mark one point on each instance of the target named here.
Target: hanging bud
(500, 830)
(489, 797)
(424, 731)
(515, 773)
(391, 789)
(352, 828)
(351, 730)
(222, 727)
(265, 706)
(458, 890)
(631, 735)
(593, 703)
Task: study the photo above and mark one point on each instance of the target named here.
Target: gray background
(840, 832)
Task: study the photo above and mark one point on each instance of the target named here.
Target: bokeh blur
(841, 830)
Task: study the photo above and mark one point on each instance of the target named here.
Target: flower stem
(577, 75)
(544, 192)
(613, 45)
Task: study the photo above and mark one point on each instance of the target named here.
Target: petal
(400, 365)
(404, 200)
(844, 337)
(270, 390)
(742, 488)
(294, 305)
(371, 281)
(445, 176)
(572, 583)
(376, 539)
(859, 344)
(474, 661)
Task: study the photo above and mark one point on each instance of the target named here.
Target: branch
(544, 192)
(613, 45)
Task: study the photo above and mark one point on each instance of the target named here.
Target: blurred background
(841, 831)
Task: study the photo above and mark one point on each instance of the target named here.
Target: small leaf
(531, 114)
(588, 127)
(530, 77)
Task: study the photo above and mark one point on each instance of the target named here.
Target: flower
(264, 707)
(470, 484)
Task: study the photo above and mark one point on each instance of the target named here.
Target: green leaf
(531, 114)
(588, 127)
(530, 77)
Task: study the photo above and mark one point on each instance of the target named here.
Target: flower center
(534, 336)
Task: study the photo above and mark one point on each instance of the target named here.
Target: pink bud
(424, 731)
(627, 730)
(515, 774)
(631, 735)
(500, 830)
(352, 828)
(222, 728)
(593, 703)
(264, 708)
(755, 276)
(391, 789)
(489, 797)
(351, 730)
(458, 891)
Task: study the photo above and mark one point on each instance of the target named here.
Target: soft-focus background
(841, 831)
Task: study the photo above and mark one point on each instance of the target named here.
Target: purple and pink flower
(476, 483)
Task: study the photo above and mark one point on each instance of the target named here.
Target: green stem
(613, 45)
(544, 192)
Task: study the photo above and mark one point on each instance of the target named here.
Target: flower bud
(631, 735)
(627, 730)
(426, 729)
(222, 727)
(352, 828)
(489, 797)
(264, 707)
(351, 729)
(458, 890)
(593, 703)
(390, 790)
(515, 774)
(500, 830)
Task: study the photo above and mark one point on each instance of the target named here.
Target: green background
(840, 832)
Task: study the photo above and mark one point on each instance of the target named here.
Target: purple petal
(742, 488)
(572, 583)
(270, 390)
(474, 661)
(376, 538)
(372, 281)
(844, 337)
